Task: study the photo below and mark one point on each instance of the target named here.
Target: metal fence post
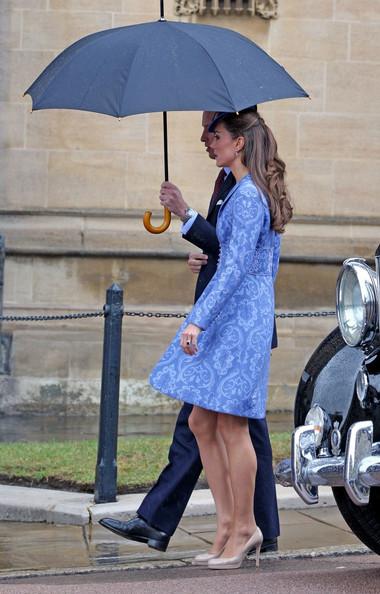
(3, 340)
(106, 466)
(2, 262)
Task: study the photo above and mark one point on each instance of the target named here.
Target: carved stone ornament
(266, 9)
(186, 7)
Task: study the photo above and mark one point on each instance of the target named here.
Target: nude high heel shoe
(235, 562)
(204, 558)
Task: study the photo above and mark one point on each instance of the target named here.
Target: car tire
(331, 345)
(364, 521)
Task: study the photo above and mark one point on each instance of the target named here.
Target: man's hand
(196, 261)
(171, 197)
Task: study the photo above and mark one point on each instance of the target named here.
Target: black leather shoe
(269, 545)
(139, 530)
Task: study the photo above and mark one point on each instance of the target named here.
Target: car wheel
(364, 521)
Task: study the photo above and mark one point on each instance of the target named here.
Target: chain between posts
(46, 318)
(147, 314)
(291, 314)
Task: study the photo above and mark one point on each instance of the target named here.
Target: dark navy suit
(165, 503)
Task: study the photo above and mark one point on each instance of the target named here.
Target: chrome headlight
(356, 302)
(317, 418)
(362, 384)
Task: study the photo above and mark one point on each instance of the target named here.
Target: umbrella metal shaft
(167, 214)
(165, 127)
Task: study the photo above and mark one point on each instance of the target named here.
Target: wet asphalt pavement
(349, 574)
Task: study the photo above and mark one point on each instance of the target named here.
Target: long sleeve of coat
(203, 235)
(237, 254)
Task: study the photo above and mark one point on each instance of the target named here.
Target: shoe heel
(157, 544)
(258, 549)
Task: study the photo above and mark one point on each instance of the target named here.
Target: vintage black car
(336, 441)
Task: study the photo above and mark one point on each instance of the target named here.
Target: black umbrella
(162, 66)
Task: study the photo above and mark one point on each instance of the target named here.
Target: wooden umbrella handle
(167, 214)
(149, 227)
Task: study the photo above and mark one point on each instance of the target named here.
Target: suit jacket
(202, 233)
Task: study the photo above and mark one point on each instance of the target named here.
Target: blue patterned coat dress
(229, 373)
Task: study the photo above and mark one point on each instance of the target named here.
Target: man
(162, 508)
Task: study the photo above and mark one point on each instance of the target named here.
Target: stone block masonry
(73, 187)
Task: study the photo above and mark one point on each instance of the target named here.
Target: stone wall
(56, 367)
(75, 160)
(73, 186)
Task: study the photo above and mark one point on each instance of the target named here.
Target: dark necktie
(218, 186)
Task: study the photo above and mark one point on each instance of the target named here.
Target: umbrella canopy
(162, 66)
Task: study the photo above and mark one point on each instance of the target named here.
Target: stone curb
(320, 552)
(28, 504)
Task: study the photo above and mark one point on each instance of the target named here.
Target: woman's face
(225, 147)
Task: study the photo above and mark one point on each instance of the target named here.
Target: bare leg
(242, 469)
(203, 424)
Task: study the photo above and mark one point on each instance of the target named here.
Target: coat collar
(232, 191)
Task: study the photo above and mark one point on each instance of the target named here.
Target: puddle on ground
(42, 546)
(33, 546)
(60, 428)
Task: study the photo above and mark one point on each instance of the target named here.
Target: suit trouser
(165, 503)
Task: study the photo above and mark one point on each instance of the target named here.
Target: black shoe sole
(151, 542)
(269, 549)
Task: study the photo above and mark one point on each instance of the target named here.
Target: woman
(219, 359)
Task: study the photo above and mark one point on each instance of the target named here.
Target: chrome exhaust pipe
(283, 473)
(326, 471)
(357, 470)
(369, 471)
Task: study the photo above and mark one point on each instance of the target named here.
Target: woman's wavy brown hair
(260, 156)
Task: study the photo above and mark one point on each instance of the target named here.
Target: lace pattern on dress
(262, 262)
